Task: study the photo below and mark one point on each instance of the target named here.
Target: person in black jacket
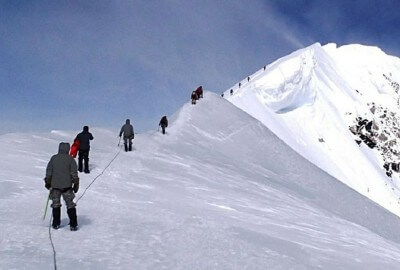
(163, 123)
(83, 155)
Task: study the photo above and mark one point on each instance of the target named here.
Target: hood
(63, 148)
(128, 121)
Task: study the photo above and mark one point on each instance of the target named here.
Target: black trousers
(83, 156)
(128, 143)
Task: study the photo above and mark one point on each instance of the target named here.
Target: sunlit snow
(311, 97)
(220, 190)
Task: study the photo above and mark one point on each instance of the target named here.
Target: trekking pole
(119, 140)
(47, 205)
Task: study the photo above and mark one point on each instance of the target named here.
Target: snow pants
(68, 196)
(128, 142)
(83, 156)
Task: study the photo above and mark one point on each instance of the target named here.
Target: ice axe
(47, 205)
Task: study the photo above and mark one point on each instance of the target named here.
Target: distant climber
(194, 97)
(62, 180)
(163, 123)
(84, 147)
(240, 84)
(231, 92)
(129, 135)
(199, 92)
(265, 67)
(248, 78)
(222, 94)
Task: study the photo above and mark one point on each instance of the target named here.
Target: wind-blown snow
(219, 191)
(310, 98)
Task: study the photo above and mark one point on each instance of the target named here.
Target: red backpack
(74, 148)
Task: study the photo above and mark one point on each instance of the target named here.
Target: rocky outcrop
(381, 131)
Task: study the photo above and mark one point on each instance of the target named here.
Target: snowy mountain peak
(317, 99)
(218, 191)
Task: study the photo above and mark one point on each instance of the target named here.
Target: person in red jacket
(199, 92)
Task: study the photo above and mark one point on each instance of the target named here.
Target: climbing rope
(91, 183)
(80, 197)
(52, 245)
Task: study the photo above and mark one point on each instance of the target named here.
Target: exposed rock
(382, 137)
(380, 131)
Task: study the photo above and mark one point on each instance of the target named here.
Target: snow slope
(310, 98)
(219, 191)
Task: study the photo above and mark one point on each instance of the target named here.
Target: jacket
(199, 91)
(127, 130)
(163, 122)
(194, 96)
(62, 168)
(84, 138)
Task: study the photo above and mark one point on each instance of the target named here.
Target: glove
(47, 182)
(75, 184)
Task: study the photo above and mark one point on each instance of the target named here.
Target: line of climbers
(240, 84)
(62, 171)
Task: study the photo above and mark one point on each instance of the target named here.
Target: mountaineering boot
(56, 218)
(73, 221)
(130, 147)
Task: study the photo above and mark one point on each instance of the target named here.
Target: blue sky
(65, 64)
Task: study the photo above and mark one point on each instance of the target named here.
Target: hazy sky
(65, 64)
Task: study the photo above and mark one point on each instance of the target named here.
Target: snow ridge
(312, 98)
(220, 190)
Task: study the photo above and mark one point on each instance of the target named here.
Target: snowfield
(219, 191)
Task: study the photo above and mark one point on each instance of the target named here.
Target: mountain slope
(313, 98)
(219, 191)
